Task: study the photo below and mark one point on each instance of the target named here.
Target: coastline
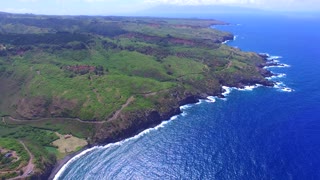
(64, 161)
(189, 100)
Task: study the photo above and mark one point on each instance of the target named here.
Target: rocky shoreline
(154, 118)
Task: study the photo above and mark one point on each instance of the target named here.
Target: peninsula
(69, 82)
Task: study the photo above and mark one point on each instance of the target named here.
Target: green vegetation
(13, 156)
(101, 79)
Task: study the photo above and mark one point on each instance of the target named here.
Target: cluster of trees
(85, 69)
(35, 39)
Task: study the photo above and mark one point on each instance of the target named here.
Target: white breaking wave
(185, 107)
(277, 66)
(285, 65)
(235, 37)
(282, 87)
(265, 54)
(211, 99)
(200, 101)
(281, 75)
(245, 88)
(249, 88)
(287, 89)
(273, 57)
(225, 42)
(273, 61)
(278, 85)
(227, 90)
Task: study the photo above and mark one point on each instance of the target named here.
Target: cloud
(204, 2)
(201, 2)
(27, 1)
(264, 4)
(17, 10)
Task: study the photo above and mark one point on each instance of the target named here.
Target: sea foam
(211, 99)
(275, 76)
(249, 88)
(282, 87)
(278, 85)
(270, 57)
(234, 38)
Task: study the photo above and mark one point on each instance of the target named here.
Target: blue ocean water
(261, 134)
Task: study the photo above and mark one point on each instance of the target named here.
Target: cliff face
(115, 131)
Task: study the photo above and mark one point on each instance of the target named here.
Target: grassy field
(68, 143)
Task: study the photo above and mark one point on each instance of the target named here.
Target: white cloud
(17, 10)
(94, 1)
(266, 4)
(201, 2)
(27, 0)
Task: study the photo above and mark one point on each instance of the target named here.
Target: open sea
(264, 133)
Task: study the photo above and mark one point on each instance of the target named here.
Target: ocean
(260, 133)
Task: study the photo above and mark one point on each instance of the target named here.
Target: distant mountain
(178, 11)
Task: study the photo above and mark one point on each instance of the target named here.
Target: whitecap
(281, 75)
(273, 57)
(225, 42)
(227, 90)
(282, 87)
(249, 88)
(273, 61)
(285, 65)
(286, 89)
(264, 54)
(184, 114)
(235, 37)
(211, 99)
(185, 106)
(277, 66)
(200, 101)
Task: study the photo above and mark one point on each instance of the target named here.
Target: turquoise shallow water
(266, 133)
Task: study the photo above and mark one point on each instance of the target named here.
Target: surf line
(141, 134)
(273, 62)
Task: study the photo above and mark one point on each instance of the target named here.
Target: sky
(123, 7)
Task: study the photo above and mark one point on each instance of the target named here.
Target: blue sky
(118, 7)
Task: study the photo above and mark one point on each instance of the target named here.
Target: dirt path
(148, 94)
(115, 116)
(117, 113)
(229, 64)
(4, 122)
(27, 170)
